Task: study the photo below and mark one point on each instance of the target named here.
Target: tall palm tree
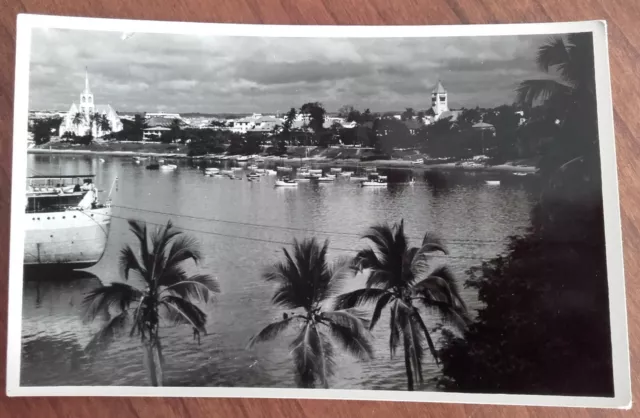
(399, 276)
(167, 293)
(305, 282)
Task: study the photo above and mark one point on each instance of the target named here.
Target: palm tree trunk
(150, 363)
(407, 363)
(325, 384)
(159, 360)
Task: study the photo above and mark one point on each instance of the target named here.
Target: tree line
(399, 276)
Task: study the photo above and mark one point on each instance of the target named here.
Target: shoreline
(321, 161)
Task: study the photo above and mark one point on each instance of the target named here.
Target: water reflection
(241, 227)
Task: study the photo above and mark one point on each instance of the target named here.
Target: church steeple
(86, 97)
(439, 99)
(86, 81)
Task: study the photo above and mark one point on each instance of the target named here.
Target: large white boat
(65, 223)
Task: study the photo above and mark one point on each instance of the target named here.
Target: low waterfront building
(163, 115)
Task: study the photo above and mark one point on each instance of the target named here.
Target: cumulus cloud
(187, 73)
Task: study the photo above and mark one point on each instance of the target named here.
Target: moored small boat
(325, 179)
(374, 183)
(168, 167)
(284, 168)
(335, 169)
(286, 183)
(270, 172)
(492, 182)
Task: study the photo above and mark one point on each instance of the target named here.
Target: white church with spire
(81, 118)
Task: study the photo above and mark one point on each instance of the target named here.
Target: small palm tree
(399, 276)
(168, 293)
(305, 282)
(103, 124)
(78, 119)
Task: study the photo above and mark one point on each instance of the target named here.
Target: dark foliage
(545, 328)
(43, 129)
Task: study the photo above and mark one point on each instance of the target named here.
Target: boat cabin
(60, 193)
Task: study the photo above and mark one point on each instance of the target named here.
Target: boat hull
(70, 239)
(286, 184)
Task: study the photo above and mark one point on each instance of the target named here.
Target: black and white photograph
(408, 213)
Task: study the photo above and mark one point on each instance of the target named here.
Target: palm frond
(271, 331)
(294, 290)
(458, 317)
(382, 236)
(139, 229)
(400, 241)
(368, 259)
(182, 312)
(446, 274)
(107, 334)
(554, 53)
(349, 330)
(423, 326)
(183, 248)
(129, 261)
(100, 300)
(351, 318)
(199, 287)
(529, 91)
(358, 297)
(313, 357)
(394, 335)
(384, 279)
(380, 305)
(341, 269)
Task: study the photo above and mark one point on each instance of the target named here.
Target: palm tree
(570, 96)
(167, 292)
(77, 120)
(305, 282)
(398, 276)
(103, 124)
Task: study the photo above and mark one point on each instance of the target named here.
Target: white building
(79, 120)
(439, 100)
(255, 123)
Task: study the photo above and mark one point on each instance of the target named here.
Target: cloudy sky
(186, 73)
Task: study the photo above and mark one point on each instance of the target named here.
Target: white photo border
(610, 195)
